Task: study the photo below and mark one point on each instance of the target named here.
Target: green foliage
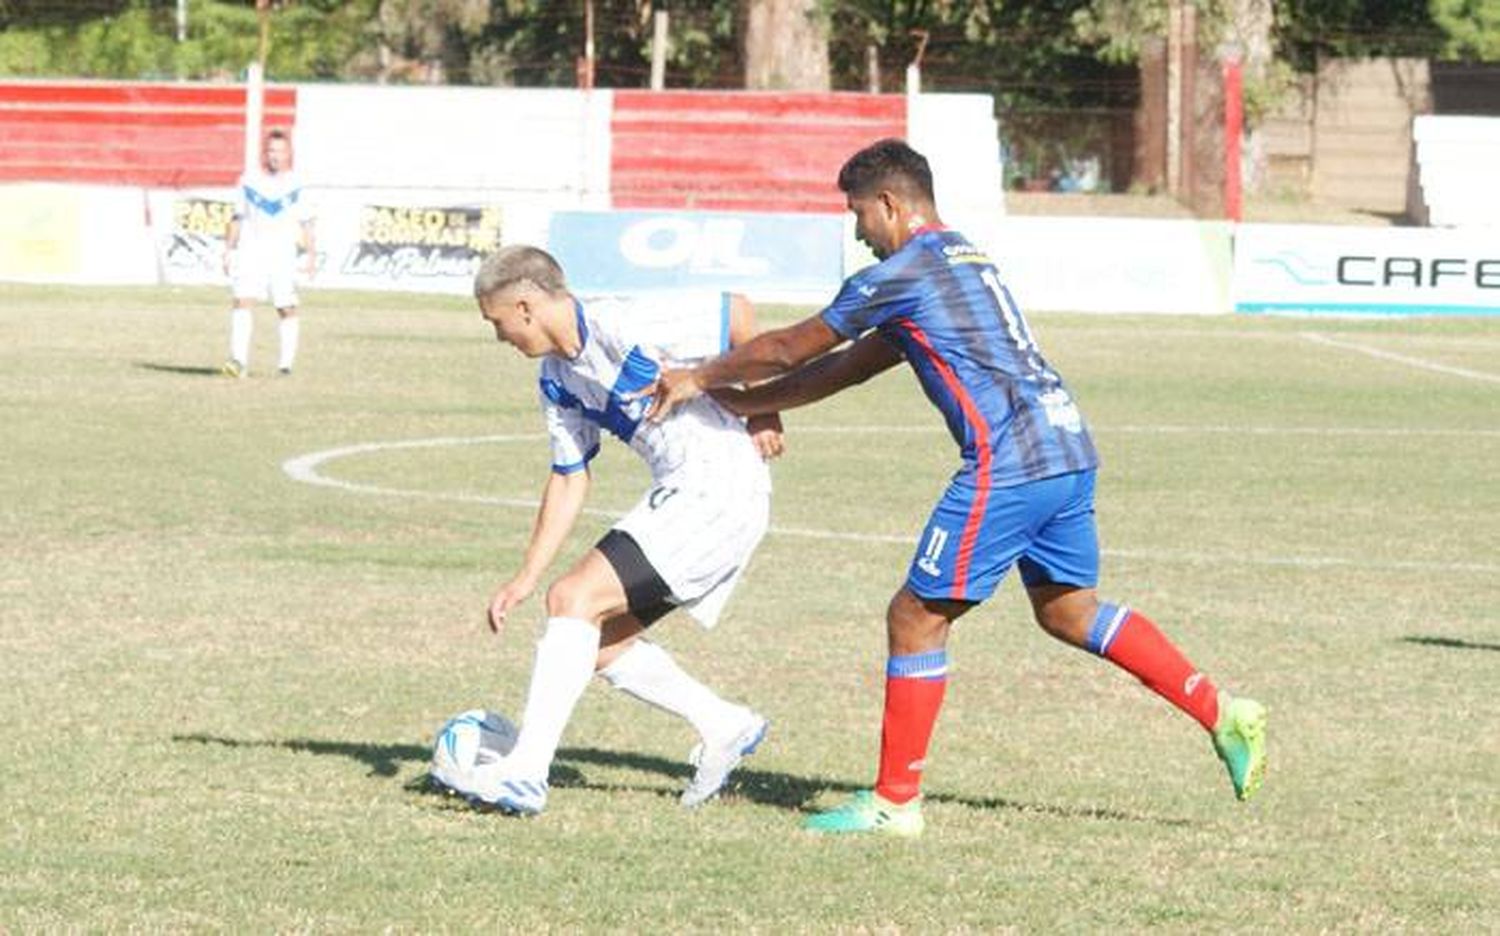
(1309, 29)
(309, 40)
(1472, 28)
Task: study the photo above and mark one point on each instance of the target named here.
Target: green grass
(220, 683)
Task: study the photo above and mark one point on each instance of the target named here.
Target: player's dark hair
(517, 263)
(887, 164)
(278, 134)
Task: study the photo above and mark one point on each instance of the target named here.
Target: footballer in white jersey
(272, 220)
(683, 545)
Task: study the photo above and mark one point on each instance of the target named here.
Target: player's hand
(673, 387)
(506, 597)
(766, 432)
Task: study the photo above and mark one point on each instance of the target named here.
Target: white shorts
(698, 542)
(261, 275)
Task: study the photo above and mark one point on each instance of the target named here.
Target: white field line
(306, 469)
(1406, 359)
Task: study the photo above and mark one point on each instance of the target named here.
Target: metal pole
(1174, 97)
(254, 100)
(182, 20)
(586, 61)
(658, 50)
(1234, 122)
(263, 12)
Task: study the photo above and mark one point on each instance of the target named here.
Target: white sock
(564, 665)
(240, 324)
(288, 331)
(649, 673)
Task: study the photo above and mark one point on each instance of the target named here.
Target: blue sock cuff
(930, 665)
(1106, 625)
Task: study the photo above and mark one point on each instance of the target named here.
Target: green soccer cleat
(868, 812)
(1240, 741)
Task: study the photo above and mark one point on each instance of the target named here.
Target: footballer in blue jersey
(1023, 496)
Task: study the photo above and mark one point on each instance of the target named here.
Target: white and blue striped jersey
(271, 209)
(626, 341)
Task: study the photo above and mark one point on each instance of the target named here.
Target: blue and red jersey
(940, 300)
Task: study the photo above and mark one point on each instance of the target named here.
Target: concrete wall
(1343, 136)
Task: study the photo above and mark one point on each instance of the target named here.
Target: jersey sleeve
(575, 440)
(871, 297)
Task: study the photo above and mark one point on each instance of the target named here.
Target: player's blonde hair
(516, 263)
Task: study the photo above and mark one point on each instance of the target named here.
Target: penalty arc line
(306, 469)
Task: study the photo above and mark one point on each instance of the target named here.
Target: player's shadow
(1454, 643)
(383, 760)
(184, 369)
(765, 787)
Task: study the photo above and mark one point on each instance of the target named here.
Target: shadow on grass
(190, 371)
(767, 788)
(1452, 642)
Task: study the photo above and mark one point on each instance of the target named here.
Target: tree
(785, 45)
(1472, 28)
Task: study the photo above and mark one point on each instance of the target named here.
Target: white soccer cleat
(716, 763)
(450, 778)
(499, 785)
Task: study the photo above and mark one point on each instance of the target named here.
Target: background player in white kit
(683, 545)
(271, 220)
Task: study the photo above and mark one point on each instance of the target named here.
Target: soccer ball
(469, 739)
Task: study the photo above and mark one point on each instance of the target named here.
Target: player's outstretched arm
(824, 377)
(562, 501)
(767, 355)
(765, 429)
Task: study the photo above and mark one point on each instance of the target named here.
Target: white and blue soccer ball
(470, 739)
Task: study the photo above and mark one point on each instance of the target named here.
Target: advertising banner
(363, 240)
(409, 248)
(189, 228)
(1078, 264)
(1309, 269)
(793, 257)
(81, 234)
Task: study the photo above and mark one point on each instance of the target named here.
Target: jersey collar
(583, 327)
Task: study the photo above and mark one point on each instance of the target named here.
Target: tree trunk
(786, 45)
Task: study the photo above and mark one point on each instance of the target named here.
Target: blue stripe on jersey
(724, 323)
(583, 327)
(941, 301)
(637, 372)
(271, 206)
(621, 417)
(579, 465)
(932, 665)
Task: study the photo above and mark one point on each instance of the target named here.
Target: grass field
(220, 682)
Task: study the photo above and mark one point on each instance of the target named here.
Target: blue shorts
(977, 532)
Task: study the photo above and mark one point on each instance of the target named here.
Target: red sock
(1130, 641)
(914, 687)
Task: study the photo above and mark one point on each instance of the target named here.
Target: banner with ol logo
(789, 256)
